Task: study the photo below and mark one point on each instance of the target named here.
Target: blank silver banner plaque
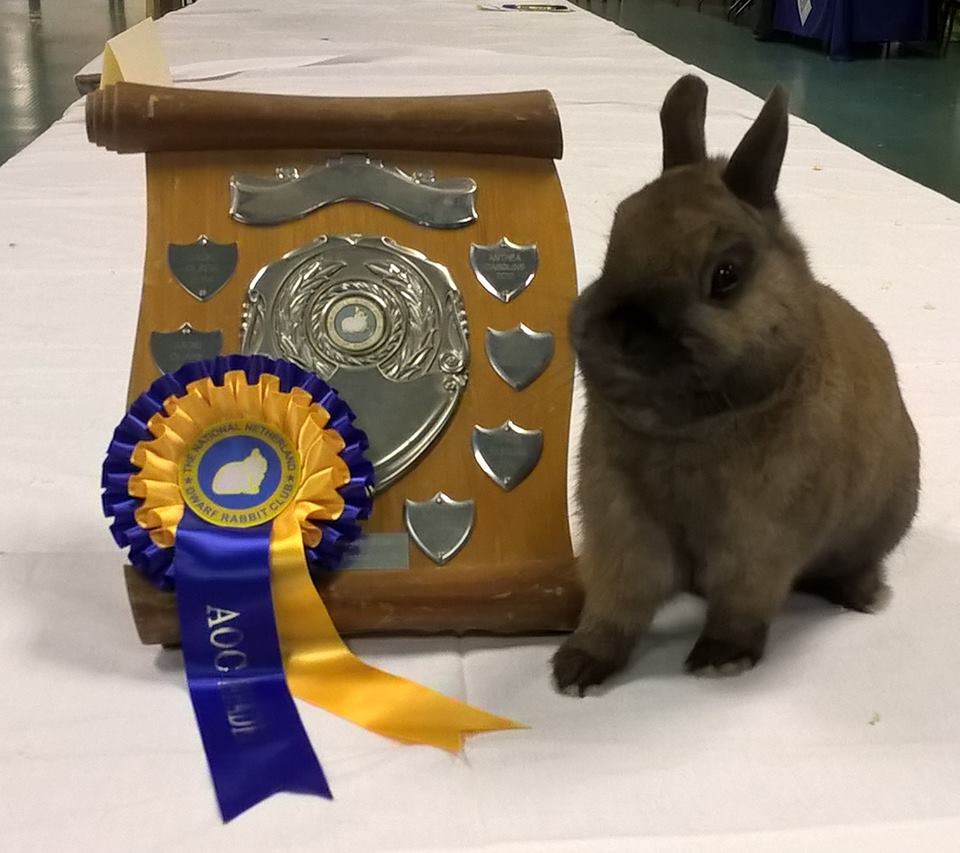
(289, 194)
(508, 453)
(440, 526)
(505, 269)
(519, 355)
(378, 551)
(382, 323)
(172, 350)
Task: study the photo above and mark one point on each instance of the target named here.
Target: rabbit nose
(644, 322)
(641, 318)
(656, 348)
(646, 335)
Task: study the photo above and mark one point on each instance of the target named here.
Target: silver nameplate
(505, 269)
(440, 526)
(508, 453)
(378, 551)
(382, 323)
(289, 194)
(202, 267)
(172, 350)
(519, 355)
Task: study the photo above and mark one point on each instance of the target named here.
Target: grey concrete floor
(903, 111)
(43, 43)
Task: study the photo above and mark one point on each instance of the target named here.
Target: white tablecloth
(846, 737)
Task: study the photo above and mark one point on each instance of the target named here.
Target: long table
(845, 738)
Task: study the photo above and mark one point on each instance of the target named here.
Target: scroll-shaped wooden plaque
(417, 254)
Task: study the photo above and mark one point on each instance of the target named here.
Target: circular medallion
(239, 473)
(355, 323)
(382, 323)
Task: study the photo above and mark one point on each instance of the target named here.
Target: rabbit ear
(754, 168)
(682, 116)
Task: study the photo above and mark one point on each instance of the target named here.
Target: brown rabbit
(744, 432)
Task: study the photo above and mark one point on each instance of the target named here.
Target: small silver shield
(172, 350)
(202, 267)
(508, 453)
(519, 355)
(505, 269)
(440, 526)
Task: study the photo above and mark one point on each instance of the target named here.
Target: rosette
(228, 481)
(141, 473)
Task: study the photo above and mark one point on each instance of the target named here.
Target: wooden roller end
(134, 118)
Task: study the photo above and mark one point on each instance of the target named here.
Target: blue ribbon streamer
(252, 735)
(256, 745)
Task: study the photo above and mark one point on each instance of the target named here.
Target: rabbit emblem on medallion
(744, 431)
(243, 477)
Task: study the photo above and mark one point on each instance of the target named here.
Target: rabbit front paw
(575, 668)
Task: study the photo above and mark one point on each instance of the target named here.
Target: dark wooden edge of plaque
(529, 599)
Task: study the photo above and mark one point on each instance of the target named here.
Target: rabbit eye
(725, 280)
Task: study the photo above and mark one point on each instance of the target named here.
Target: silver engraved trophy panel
(508, 453)
(440, 526)
(202, 267)
(171, 350)
(382, 323)
(519, 355)
(505, 269)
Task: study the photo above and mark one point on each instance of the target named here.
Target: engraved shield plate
(172, 350)
(508, 453)
(519, 355)
(382, 323)
(505, 269)
(290, 194)
(440, 526)
(202, 267)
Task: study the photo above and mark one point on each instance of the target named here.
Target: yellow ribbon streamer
(319, 667)
(322, 670)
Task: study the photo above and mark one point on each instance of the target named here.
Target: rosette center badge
(239, 473)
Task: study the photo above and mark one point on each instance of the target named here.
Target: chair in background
(948, 17)
(701, 2)
(158, 8)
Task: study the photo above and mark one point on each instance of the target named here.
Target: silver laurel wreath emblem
(385, 325)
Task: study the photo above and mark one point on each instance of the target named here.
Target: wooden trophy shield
(416, 254)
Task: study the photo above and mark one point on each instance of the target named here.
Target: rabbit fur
(744, 430)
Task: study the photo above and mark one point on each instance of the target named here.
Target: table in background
(841, 24)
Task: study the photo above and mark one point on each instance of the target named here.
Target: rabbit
(744, 431)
